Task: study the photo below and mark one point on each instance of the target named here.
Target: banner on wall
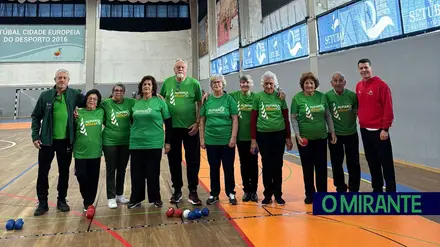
(361, 22)
(42, 43)
(227, 21)
(203, 37)
(289, 44)
(419, 15)
(226, 64)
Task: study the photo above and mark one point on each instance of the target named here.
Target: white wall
(204, 67)
(128, 56)
(33, 74)
(284, 17)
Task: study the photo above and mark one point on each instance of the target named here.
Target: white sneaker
(112, 203)
(122, 199)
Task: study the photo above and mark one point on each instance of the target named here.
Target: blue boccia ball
(205, 212)
(10, 224)
(191, 215)
(19, 224)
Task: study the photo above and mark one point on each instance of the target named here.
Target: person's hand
(282, 95)
(160, 97)
(193, 129)
(75, 113)
(289, 144)
(334, 139)
(300, 140)
(204, 97)
(167, 148)
(232, 142)
(37, 144)
(254, 147)
(383, 135)
(202, 144)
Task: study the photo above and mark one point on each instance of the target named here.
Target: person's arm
(168, 130)
(285, 112)
(387, 103)
(329, 121)
(202, 131)
(37, 115)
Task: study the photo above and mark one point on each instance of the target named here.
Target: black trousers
(379, 155)
(192, 157)
(349, 145)
(63, 150)
(145, 164)
(218, 155)
(314, 159)
(271, 146)
(116, 160)
(87, 174)
(248, 166)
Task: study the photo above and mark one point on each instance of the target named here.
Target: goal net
(25, 101)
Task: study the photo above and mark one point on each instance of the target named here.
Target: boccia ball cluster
(195, 214)
(14, 225)
(187, 214)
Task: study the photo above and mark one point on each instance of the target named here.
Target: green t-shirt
(117, 122)
(244, 105)
(147, 131)
(181, 99)
(88, 137)
(311, 114)
(60, 117)
(270, 112)
(343, 108)
(218, 121)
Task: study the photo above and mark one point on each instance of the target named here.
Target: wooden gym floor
(247, 224)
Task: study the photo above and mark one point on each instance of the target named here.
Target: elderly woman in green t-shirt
(115, 137)
(147, 140)
(87, 148)
(218, 134)
(270, 133)
(311, 122)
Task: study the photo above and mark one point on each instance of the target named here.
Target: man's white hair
(271, 75)
(180, 60)
(340, 74)
(62, 71)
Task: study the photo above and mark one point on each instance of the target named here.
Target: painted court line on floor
(97, 223)
(364, 176)
(10, 146)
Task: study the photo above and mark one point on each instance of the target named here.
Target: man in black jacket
(53, 132)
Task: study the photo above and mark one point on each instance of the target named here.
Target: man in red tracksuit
(375, 118)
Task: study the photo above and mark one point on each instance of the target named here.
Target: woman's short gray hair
(247, 78)
(217, 77)
(271, 75)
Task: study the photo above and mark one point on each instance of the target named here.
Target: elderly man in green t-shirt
(343, 106)
(183, 95)
(53, 132)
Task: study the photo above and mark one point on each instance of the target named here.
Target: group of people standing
(69, 124)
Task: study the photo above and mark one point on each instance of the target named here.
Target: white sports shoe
(112, 203)
(122, 199)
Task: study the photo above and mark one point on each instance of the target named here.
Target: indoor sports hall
(101, 43)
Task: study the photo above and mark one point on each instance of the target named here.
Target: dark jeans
(221, 155)
(63, 149)
(314, 159)
(87, 173)
(116, 160)
(379, 155)
(248, 166)
(145, 164)
(349, 145)
(271, 147)
(192, 157)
